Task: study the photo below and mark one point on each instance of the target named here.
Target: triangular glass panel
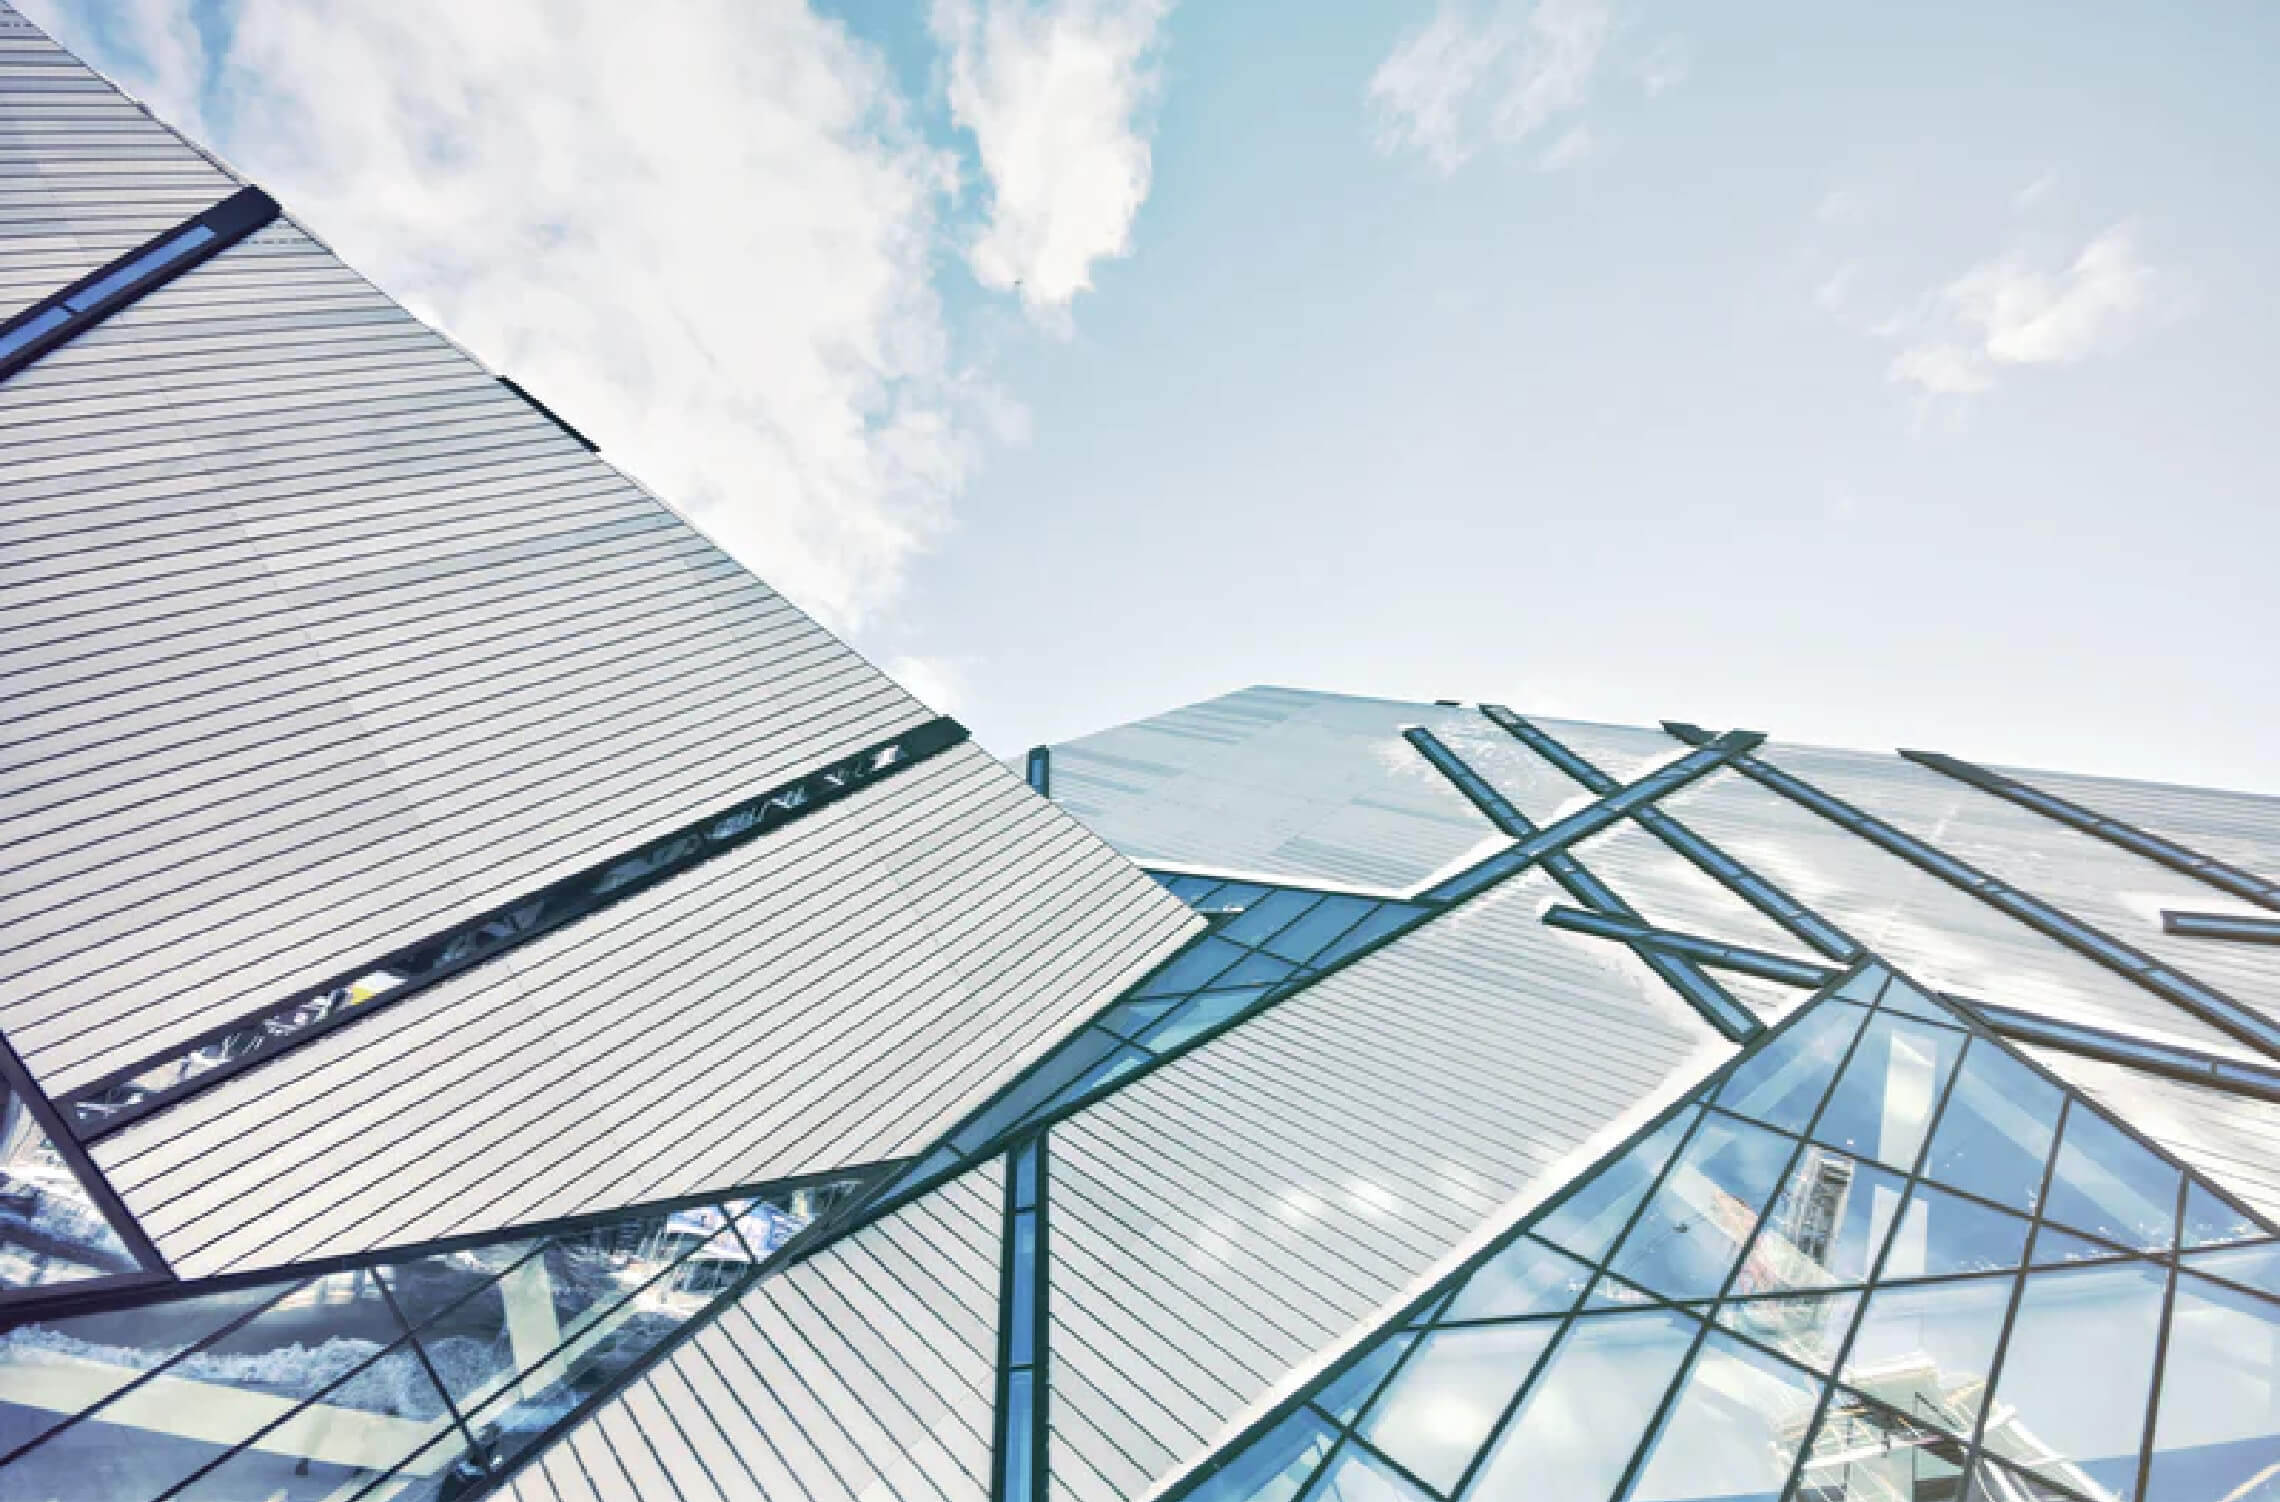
(1883, 1102)
(2218, 1431)
(1350, 1391)
(2211, 1220)
(1267, 917)
(1525, 1278)
(1942, 1233)
(1185, 888)
(2250, 1266)
(1784, 1081)
(1691, 1230)
(1866, 986)
(1864, 1451)
(1325, 921)
(1276, 1466)
(2057, 1248)
(1358, 1476)
(1733, 1429)
(1389, 918)
(1200, 1015)
(1446, 1398)
(1192, 968)
(1432, 1309)
(1582, 1420)
(1235, 894)
(2109, 1184)
(1907, 1000)
(53, 1231)
(1805, 1327)
(1928, 1348)
(1130, 1018)
(1995, 1134)
(1611, 1292)
(1258, 970)
(2077, 1371)
(1588, 1220)
(1826, 1225)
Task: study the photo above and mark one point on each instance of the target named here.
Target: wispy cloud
(2011, 311)
(1056, 96)
(1467, 77)
(707, 238)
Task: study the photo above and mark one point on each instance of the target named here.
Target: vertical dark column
(1019, 1473)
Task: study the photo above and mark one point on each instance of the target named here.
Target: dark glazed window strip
(1040, 770)
(2222, 926)
(161, 1080)
(2137, 841)
(2198, 997)
(66, 315)
(1736, 957)
(1021, 1469)
(1716, 1004)
(2189, 1065)
(63, 1232)
(1720, 867)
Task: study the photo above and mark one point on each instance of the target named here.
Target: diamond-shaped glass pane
(1806, 1327)
(1525, 1278)
(1450, 1393)
(1782, 1083)
(2218, 1434)
(1687, 1238)
(1825, 1227)
(1588, 1221)
(1995, 1135)
(1582, 1420)
(1883, 1102)
(1942, 1233)
(1928, 1348)
(1866, 1452)
(2109, 1184)
(2072, 1400)
(1732, 1431)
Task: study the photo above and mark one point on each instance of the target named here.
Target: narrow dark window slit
(164, 1079)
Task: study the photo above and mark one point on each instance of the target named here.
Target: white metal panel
(866, 1372)
(1217, 1222)
(86, 174)
(2231, 1138)
(839, 992)
(1624, 752)
(2241, 829)
(1947, 939)
(302, 663)
(2119, 893)
(1287, 786)
(1672, 892)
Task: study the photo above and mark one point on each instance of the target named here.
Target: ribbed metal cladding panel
(2242, 829)
(2231, 1138)
(2119, 893)
(1298, 787)
(866, 1372)
(86, 174)
(1219, 1222)
(1945, 938)
(1624, 752)
(317, 639)
(840, 992)
(1670, 891)
(1540, 791)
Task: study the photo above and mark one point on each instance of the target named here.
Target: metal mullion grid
(1764, 964)
(1028, 1477)
(2168, 982)
(1785, 910)
(427, 1364)
(2175, 1261)
(2189, 1066)
(151, 1267)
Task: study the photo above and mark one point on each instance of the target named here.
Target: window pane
(1926, 1349)
(1330, 918)
(1358, 1476)
(1376, 926)
(1201, 1015)
(1825, 1227)
(1733, 1432)
(2056, 1248)
(2249, 1266)
(1588, 1221)
(1025, 1176)
(1527, 1277)
(1275, 1465)
(1194, 968)
(1690, 1233)
(1883, 1103)
(2219, 1430)
(1266, 917)
(2071, 1404)
(2110, 1185)
(1782, 1083)
(1580, 1424)
(2209, 1221)
(458, 1306)
(1021, 1317)
(1809, 1327)
(1992, 1481)
(1904, 998)
(1866, 1453)
(1996, 1133)
(1942, 1233)
(1020, 1438)
(1344, 1398)
(51, 1229)
(1450, 1393)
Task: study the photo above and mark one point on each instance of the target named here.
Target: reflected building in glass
(499, 1003)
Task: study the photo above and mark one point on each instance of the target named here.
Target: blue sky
(1865, 375)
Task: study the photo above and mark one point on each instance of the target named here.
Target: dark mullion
(2019, 1286)
(2161, 1341)
(1022, 1477)
(411, 1335)
(151, 1267)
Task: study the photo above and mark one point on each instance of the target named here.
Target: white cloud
(1835, 292)
(937, 682)
(704, 237)
(1573, 146)
(1055, 96)
(2011, 312)
(1462, 79)
(1666, 66)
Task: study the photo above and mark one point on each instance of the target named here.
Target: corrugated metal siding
(1624, 752)
(1541, 791)
(316, 639)
(1310, 789)
(1945, 938)
(2103, 885)
(86, 175)
(839, 992)
(1216, 1223)
(2241, 829)
(2232, 1139)
(868, 1371)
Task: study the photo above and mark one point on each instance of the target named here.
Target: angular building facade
(498, 1003)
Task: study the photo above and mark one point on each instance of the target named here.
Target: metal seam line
(1737, 878)
(1714, 1002)
(2222, 926)
(552, 416)
(1736, 957)
(63, 316)
(120, 1097)
(2153, 847)
(2197, 997)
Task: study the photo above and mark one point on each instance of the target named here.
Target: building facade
(497, 1002)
